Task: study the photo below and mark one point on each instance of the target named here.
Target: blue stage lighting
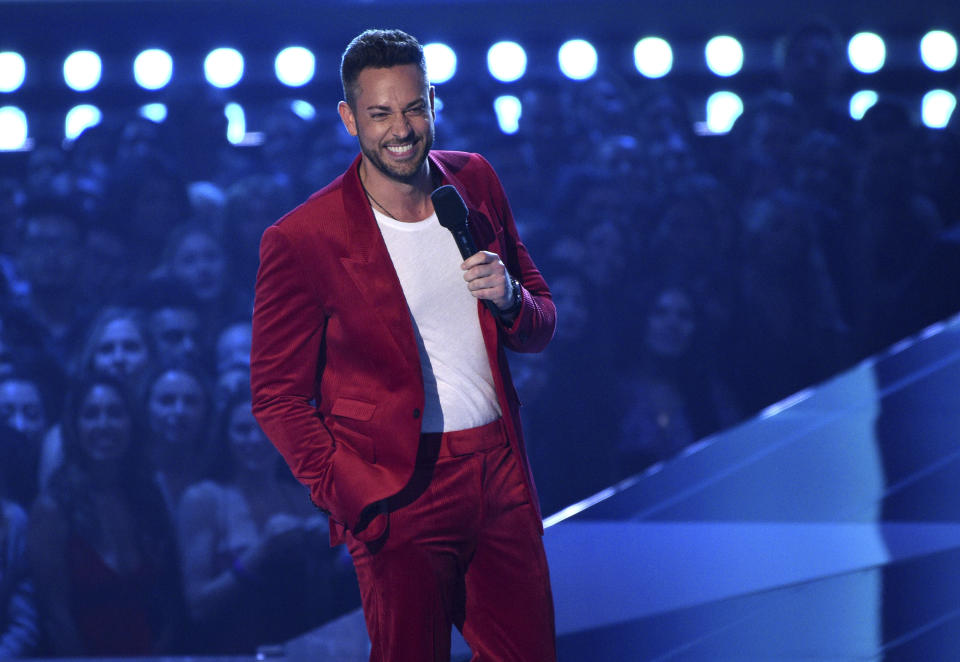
(723, 109)
(724, 56)
(153, 69)
(236, 122)
(223, 67)
(938, 106)
(80, 118)
(13, 71)
(508, 109)
(13, 129)
(295, 66)
(938, 50)
(507, 61)
(155, 112)
(578, 59)
(82, 70)
(303, 109)
(441, 62)
(867, 52)
(861, 102)
(653, 57)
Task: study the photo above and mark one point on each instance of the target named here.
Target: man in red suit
(382, 378)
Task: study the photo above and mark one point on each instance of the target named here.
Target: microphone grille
(450, 208)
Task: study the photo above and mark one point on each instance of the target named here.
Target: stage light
(13, 71)
(295, 66)
(441, 62)
(867, 52)
(223, 67)
(723, 109)
(578, 59)
(303, 109)
(79, 118)
(937, 107)
(82, 70)
(13, 129)
(153, 69)
(653, 57)
(861, 102)
(155, 112)
(507, 61)
(508, 109)
(236, 122)
(938, 50)
(724, 56)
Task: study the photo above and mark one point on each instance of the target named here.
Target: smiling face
(103, 424)
(392, 117)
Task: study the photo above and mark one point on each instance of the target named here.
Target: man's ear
(433, 110)
(347, 117)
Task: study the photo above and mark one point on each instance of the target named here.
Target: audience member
(18, 612)
(258, 567)
(100, 542)
(177, 407)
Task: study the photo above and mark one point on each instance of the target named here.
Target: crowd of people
(697, 280)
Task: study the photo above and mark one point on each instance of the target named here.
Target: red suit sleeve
(288, 328)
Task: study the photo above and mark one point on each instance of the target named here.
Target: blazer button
(416, 413)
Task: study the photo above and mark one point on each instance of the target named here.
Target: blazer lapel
(371, 268)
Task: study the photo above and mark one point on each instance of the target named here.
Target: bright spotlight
(938, 50)
(723, 109)
(236, 122)
(938, 106)
(153, 69)
(82, 70)
(13, 71)
(223, 67)
(578, 59)
(155, 112)
(724, 56)
(80, 118)
(653, 57)
(507, 61)
(13, 129)
(441, 62)
(508, 109)
(295, 66)
(867, 52)
(861, 102)
(303, 109)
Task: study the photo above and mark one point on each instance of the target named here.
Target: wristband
(516, 299)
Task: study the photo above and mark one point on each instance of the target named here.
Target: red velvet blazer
(335, 370)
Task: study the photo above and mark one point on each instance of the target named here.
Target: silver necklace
(375, 201)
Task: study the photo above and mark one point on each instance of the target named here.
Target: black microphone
(452, 214)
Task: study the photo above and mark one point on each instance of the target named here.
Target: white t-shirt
(456, 371)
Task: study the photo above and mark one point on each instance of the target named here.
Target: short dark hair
(378, 49)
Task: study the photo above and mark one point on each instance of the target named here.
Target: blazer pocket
(358, 410)
(343, 413)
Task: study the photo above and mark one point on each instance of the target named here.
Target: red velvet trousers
(462, 548)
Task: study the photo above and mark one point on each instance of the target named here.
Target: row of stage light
(577, 59)
(506, 61)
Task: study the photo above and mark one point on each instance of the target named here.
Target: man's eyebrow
(418, 102)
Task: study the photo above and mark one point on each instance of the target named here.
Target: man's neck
(404, 201)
